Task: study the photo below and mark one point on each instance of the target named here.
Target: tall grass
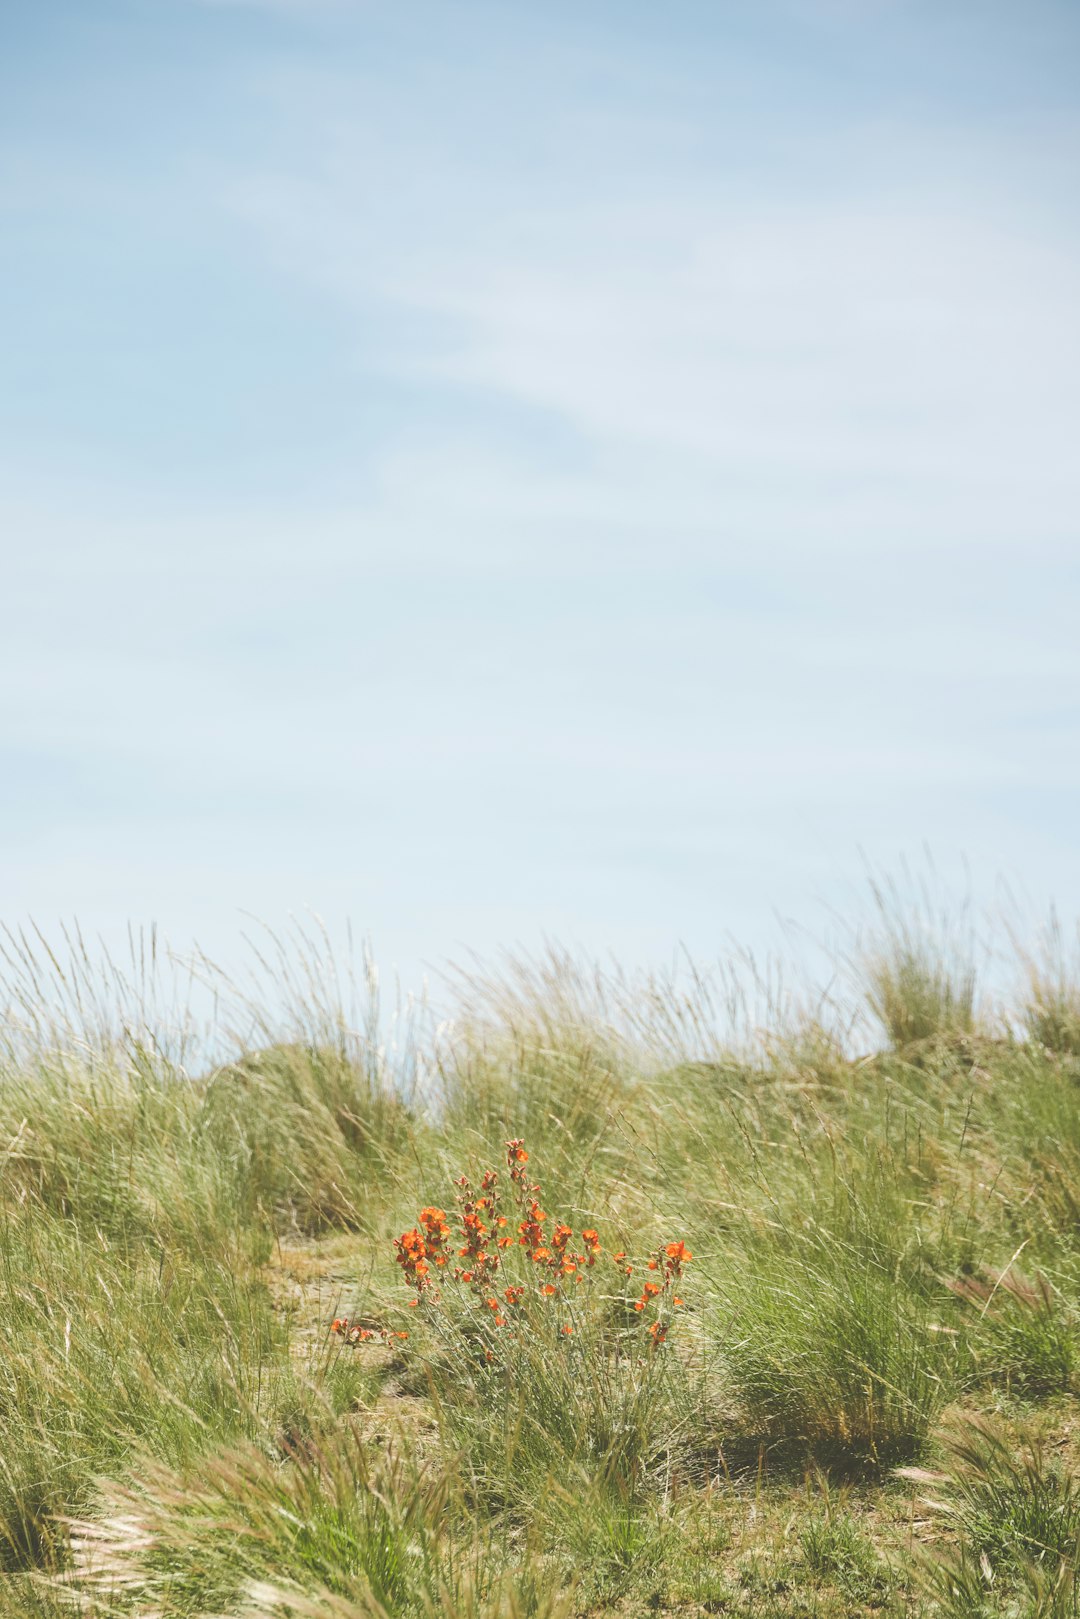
(917, 965)
(881, 1240)
(1015, 1512)
(1051, 1010)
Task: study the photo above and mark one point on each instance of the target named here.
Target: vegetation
(590, 1296)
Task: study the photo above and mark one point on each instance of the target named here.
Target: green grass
(886, 1276)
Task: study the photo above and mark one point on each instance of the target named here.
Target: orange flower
(652, 1264)
(639, 1305)
(567, 1331)
(678, 1255)
(676, 1302)
(548, 1289)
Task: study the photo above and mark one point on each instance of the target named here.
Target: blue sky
(494, 471)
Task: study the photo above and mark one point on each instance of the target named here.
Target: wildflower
(567, 1331)
(548, 1289)
(412, 1252)
(676, 1302)
(435, 1227)
(678, 1255)
(515, 1153)
(657, 1332)
(531, 1228)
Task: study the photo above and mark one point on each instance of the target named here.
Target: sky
(509, 471)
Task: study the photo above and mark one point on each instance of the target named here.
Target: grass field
(852, 1232)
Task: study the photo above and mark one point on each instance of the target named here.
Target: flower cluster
(353, 1333)
(519, 1262)
(667, 1263)
(547, 1259)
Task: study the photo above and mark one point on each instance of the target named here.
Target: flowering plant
(507, 1259)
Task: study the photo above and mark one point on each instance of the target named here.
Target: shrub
(545, 1359)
